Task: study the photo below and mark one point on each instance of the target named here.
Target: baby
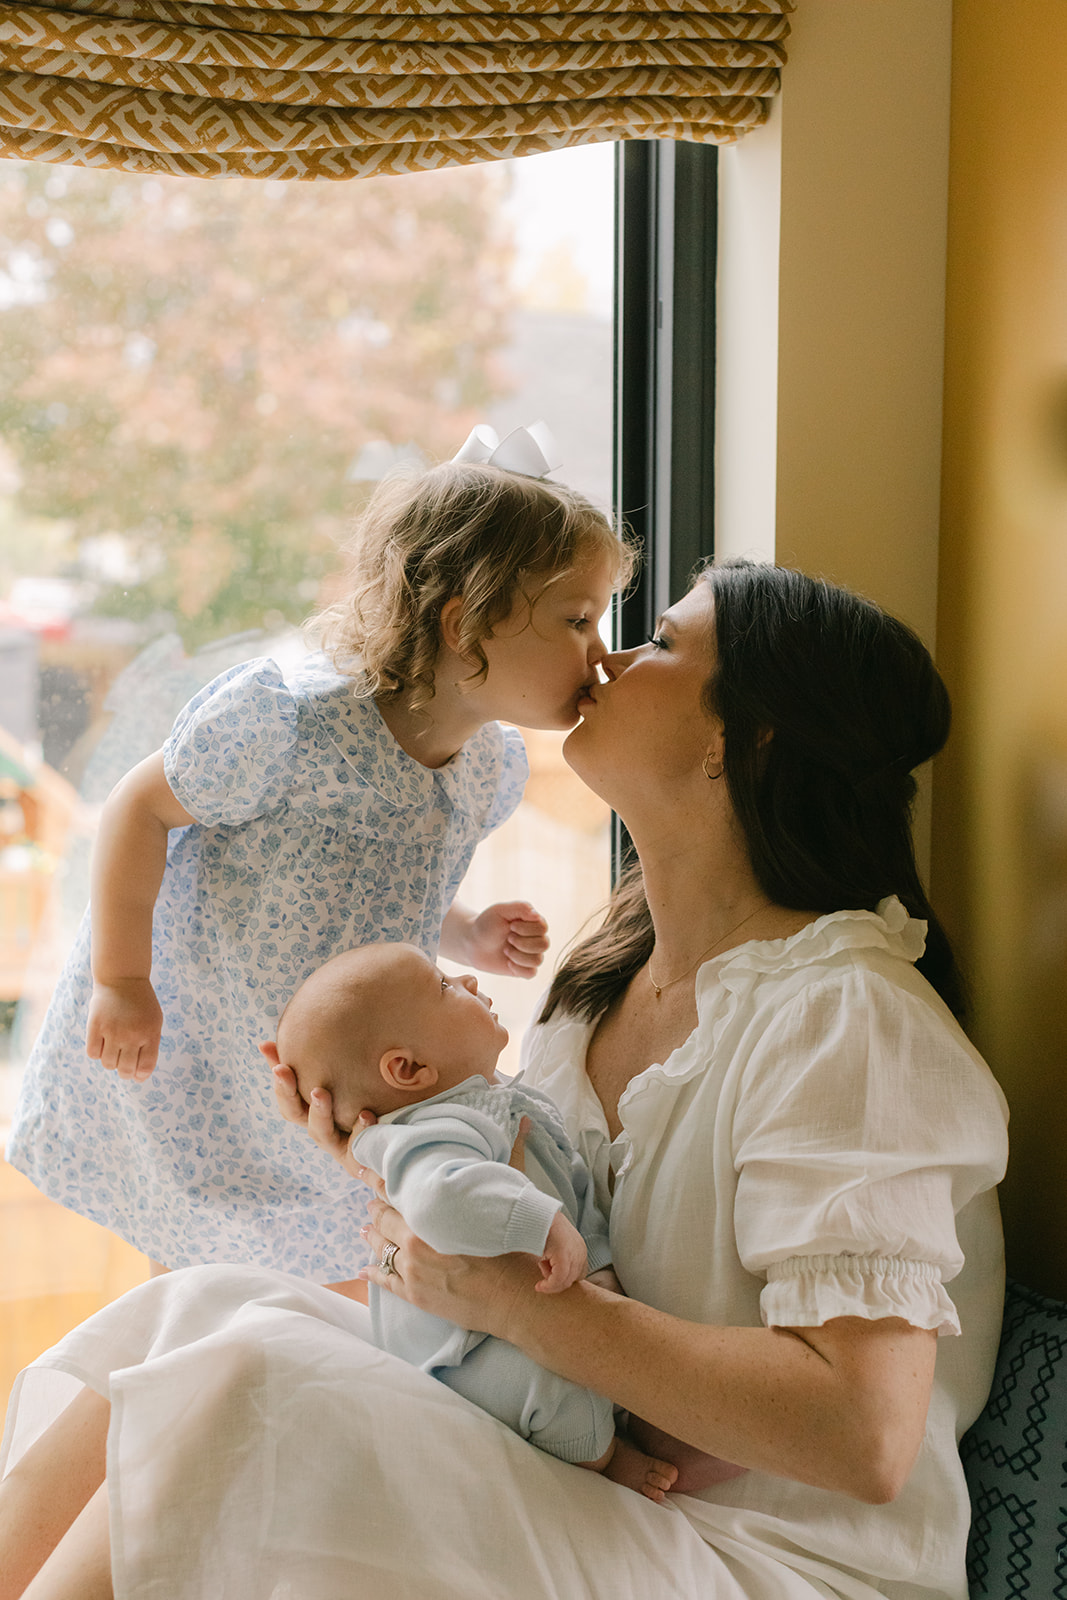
(385, 1031)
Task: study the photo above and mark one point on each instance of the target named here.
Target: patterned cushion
(1015, 1458)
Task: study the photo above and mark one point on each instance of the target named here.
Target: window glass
(557, 364)
(199, 383)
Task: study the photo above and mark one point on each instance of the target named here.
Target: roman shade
(350, 88)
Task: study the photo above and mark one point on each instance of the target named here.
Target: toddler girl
(285, 819)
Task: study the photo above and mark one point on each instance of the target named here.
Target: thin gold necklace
(659, 987)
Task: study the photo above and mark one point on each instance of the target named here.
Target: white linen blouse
(825, 1143)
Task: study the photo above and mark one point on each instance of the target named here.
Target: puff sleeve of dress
(231, 755)
(866, 1127)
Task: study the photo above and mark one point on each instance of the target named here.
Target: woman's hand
(476, 1292)
(316, 1117)
(471, 1291)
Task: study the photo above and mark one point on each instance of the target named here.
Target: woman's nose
(469, 982)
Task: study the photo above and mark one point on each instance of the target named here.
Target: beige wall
(1000, 822)
(831, 306)
(861, 298)
(831, 309)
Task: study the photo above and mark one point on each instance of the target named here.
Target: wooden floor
(55, 1269)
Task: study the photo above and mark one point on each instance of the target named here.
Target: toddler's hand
(125, 1023)
(509, 938)
(565, 1258)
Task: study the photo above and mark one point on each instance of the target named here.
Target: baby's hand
(565, 1258)
(125, 1024)
(509, 938)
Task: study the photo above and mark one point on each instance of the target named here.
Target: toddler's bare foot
(631, 1467)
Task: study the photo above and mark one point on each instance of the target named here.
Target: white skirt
(261, 1449)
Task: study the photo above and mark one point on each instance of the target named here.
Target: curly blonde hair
(490, 537)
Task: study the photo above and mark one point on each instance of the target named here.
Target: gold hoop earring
(712, 777)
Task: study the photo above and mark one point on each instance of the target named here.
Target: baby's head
(493, 540)
(381, 1027)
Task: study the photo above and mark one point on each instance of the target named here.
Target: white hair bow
(530, 451)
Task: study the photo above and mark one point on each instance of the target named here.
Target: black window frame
(666, 235)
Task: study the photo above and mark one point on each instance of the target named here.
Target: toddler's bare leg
(624, 1463)
(50, 1486)
(79, 1568)
(155, 1268)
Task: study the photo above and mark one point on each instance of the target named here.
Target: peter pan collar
(351, 720)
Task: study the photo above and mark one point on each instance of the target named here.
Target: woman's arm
(841, 1407)
(129, 858)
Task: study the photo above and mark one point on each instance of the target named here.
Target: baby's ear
(401, 1071)
(270, 1050)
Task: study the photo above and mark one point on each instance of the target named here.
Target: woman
(806, 1165)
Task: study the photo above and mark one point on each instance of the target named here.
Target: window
(667, 212)
(199, 381)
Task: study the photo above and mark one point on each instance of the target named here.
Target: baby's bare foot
(632, 1468)
(696, 1470)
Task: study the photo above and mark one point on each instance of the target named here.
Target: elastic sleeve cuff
(806, 1291)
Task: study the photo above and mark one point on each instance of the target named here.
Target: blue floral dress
(315, 832)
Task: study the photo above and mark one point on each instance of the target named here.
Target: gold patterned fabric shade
(351, 88)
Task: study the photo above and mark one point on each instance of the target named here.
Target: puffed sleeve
(866, 1124)
(231, 753)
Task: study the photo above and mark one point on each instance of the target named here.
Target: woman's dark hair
(828, 705)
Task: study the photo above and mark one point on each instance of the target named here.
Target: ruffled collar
(557, 1053)
(353, 723)
(889, 928)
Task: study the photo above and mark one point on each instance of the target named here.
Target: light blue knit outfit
(445, 1166)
